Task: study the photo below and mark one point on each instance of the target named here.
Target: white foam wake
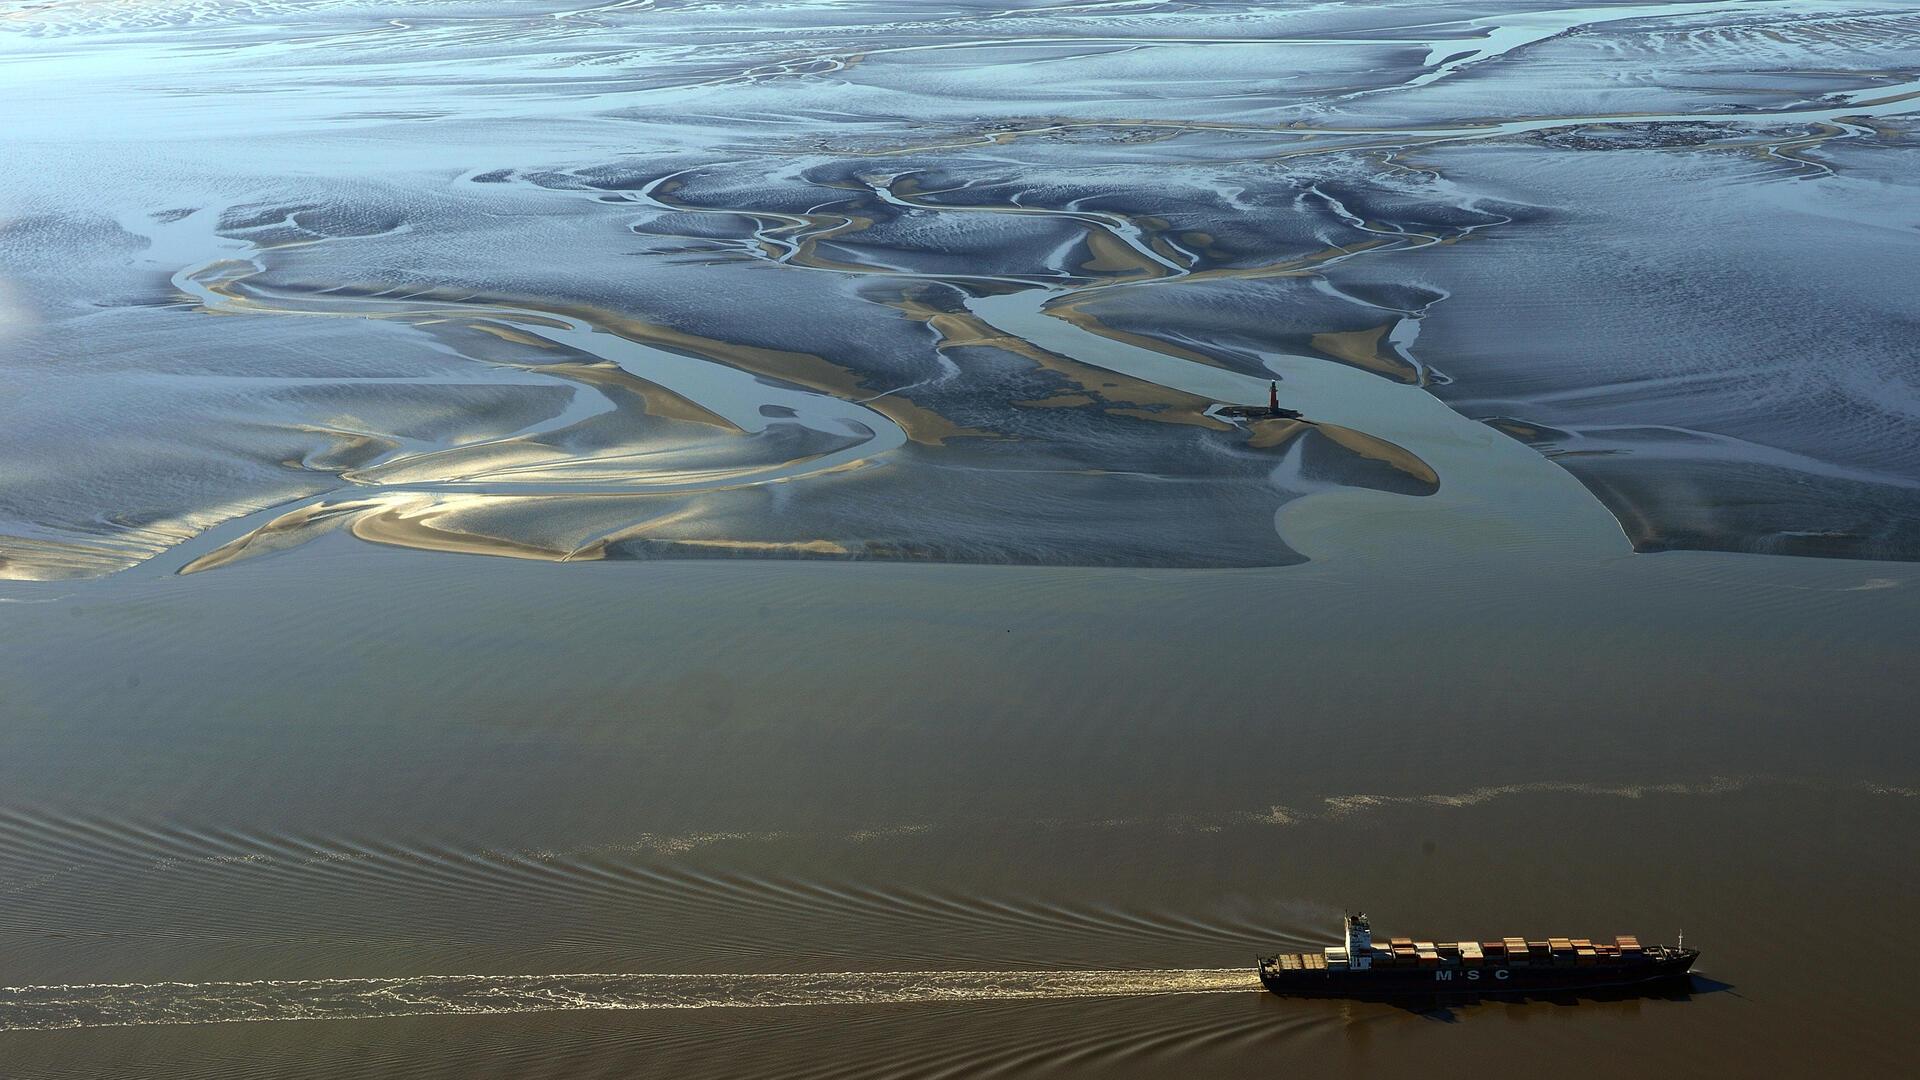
(87, 1005)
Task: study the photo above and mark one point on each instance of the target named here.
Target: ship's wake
(89, 1005)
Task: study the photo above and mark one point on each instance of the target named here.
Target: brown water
(785, 784)
(695, 540)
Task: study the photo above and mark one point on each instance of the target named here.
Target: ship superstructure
(1359, 967)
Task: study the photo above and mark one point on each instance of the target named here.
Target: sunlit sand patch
(493, 524)
(1111, 258)
(514, 336)
(921, 424)
(436, 523)
(1072, 311)
(117, 545)
(539, 527)
(507, 456)
(1374, 448)
(1522, 430)
(1118, 393)
(285, 531)
(1403, 462)
(426, 303)
(557, 528)
(1116, 256)
(350, 449)
(1075, 308)
(1205, 245)
(31, 559)
(612, 453)
(814, 230)
(1363, 348)
(654, 399)
(1155, 229)
(1272, 434)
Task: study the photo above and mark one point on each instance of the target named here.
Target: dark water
(694, 539)
(504, 802)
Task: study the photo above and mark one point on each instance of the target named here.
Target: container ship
(1513, 965)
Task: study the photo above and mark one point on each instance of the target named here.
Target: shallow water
(698, 538)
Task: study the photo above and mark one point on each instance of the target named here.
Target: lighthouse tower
(1359, 943)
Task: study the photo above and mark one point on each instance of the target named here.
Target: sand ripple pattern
(35, 1008)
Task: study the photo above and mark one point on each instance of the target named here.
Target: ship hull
(1479, 981)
